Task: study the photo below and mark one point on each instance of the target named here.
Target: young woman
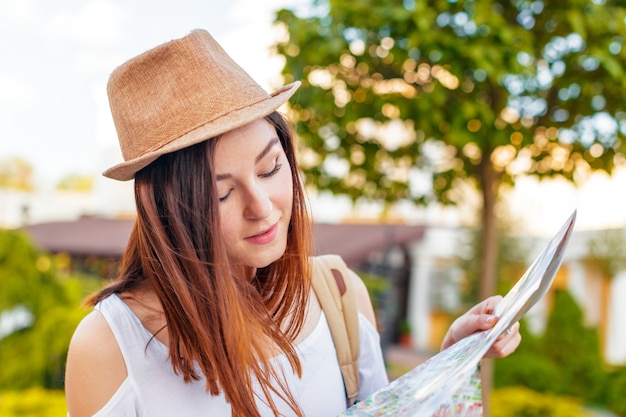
(213, 312)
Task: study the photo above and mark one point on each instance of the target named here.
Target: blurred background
(442, 143)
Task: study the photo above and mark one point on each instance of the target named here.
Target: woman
(213, 313)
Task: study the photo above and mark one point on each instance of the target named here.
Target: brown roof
(85, 236)
(107, 237)
(354, 242)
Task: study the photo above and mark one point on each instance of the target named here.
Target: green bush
(615, 392)
(565, 360)
(530, 370)
(528, 366)
(34, 402)
(575, 349)
(523, 402)
(34, 356)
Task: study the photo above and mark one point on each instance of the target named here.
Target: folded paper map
(448, 384)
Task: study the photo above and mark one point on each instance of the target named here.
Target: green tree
(606, 250)
(39, 310)
(455, 91)
(76, 182)
(16, 173)
(515, 253)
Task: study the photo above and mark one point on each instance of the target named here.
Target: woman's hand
(481, 317)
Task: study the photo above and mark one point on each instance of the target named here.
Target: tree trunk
(490, 183)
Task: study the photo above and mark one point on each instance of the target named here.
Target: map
(448, 384)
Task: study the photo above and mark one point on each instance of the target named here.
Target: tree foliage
(606, 250)
(15, 173)
(507, 80)
(404, 100)
(39, 310)
(76, 183)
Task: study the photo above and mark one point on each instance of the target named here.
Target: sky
(56, 57)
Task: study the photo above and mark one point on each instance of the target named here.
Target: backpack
(338, 301)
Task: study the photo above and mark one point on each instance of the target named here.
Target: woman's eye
(225, 196)
(274, 170)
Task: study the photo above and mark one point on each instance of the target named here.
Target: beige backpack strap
(338, 300)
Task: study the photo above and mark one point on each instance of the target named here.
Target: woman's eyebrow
(264, 152)
(260, 156)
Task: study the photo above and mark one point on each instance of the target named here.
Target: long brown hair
(216, 318)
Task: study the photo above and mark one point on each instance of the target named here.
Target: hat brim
(126, 170)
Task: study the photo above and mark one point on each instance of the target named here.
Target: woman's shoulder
(95, 366)
(93, 335)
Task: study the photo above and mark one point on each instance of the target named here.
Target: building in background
(419, 265)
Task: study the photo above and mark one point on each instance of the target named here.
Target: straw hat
(179, 94)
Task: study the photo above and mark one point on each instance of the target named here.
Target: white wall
(615, 342)
(109, 199)
(43, 206)
(438, 243)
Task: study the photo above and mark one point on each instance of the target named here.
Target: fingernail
(490, 319)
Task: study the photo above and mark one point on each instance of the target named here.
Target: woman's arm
(95, 367)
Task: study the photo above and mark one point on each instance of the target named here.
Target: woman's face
(255, 191)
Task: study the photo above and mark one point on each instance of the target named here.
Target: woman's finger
(506, 344)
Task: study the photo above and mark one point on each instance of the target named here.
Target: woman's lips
(264, 237)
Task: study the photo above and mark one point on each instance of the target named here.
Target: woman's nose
(258, 204)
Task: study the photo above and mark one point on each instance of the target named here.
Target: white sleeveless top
(152, 389)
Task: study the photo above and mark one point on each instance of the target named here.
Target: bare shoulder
(95, 366)
(364, 302)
